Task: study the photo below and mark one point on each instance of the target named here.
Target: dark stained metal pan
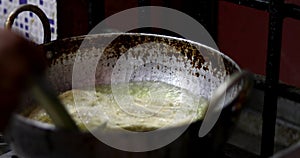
(207, 66)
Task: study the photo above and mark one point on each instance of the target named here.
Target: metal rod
(257, 4)
(292, 10)
(272, 77)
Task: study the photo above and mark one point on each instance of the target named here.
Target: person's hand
(19, 59)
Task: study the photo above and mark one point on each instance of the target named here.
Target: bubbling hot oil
(142, 106)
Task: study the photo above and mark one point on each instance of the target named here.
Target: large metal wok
(203, 65)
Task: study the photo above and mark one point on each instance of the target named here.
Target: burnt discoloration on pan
(193, 59)
(127, 41)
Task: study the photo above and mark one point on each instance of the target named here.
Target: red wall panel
(290, 54)
(242, 35)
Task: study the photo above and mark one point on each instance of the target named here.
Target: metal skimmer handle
(218, 99)
(28, 7)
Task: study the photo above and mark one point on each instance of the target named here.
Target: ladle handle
(29, 7)
(219, 101)
(45, 95)
(235, 79)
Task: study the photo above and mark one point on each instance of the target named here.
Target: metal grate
(277, 11)
(289, 10)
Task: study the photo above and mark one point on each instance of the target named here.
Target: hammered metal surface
(175, 61)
